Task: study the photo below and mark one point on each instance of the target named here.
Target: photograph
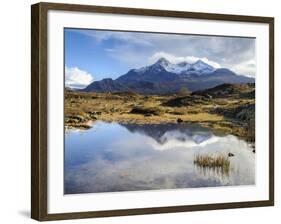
(157, 111)
(139, 111)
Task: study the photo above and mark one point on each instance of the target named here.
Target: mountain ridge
(164, 77)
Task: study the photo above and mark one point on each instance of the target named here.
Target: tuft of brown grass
(212, 161)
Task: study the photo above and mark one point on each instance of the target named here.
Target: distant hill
(221, 91)
(106, 85)
(164, 77)
(229, 90)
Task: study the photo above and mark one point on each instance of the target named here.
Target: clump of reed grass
(212, 161)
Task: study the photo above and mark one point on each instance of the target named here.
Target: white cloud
(247, 68)
(175, 59)
(129, 37)
(136, 49)
(110, 50)
(76, 78)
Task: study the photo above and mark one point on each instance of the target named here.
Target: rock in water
(179, 120)
(230, 154)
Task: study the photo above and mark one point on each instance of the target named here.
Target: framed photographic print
(138, 111)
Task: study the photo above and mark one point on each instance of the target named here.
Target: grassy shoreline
(82, 108)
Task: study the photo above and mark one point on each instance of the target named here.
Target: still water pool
(112, 157)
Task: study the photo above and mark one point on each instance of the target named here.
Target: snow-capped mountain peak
(202, 67)
(162, 64)
(164, 77)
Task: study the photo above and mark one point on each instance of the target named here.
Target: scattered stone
(74, 119)
(94, 113)
(254, 151)
(79, 126)
(208, 96)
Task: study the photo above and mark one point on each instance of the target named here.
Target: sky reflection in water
(112, 157)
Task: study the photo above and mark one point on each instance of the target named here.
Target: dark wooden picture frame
(39, 106)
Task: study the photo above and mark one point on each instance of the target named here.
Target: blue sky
(85, 52)
(92, 55)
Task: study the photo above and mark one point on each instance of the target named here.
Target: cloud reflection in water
(112, 157)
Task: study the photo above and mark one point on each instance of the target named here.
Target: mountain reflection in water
(113, 157)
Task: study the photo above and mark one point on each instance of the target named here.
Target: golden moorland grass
(82, 108)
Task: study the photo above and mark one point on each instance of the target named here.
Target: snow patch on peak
(199, 65)
(202, 68)
(183, 67)
(140, 70)
(176, 68)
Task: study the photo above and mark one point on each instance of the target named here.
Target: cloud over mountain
(176, 59)
(95, 49)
